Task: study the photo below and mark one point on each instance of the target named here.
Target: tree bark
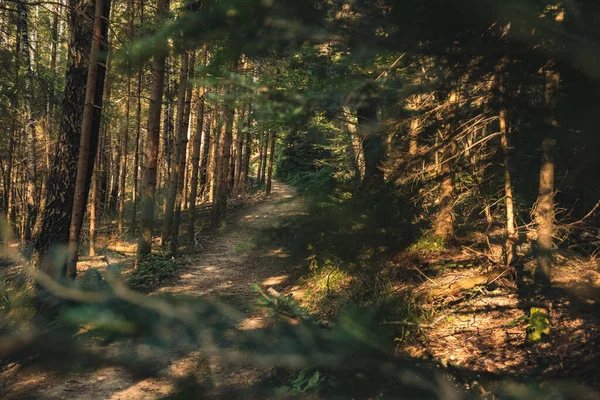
(197, 152)
(263, 168)
(372, 143)
(237, 168)
(544, 213)
(204, 159)
(271, 158)
(510, 245)
(247, 151)
(56, 216)
(29, 123)
(174, 177)
(223, 166)
(260, 157)
(444, 223)
(89, 131)
(179, 200)
(149, 180)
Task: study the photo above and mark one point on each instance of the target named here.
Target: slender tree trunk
(214, 157)
(94, 209)
(544, 213)
(271, 158)
(173, 182)
(197, 152)
(263, 168)
(138, 131)
(220, 206)
(29, 122)
(413, 136)
(122, 195)
(372, 143)
(179, 200)
(204, 159)
(238, 154)
(247, 151)
(149, 180)
(260, 158)
(510, 246)
(444, 223)
(89, 130)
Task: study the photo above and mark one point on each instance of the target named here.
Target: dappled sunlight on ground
(224, 266)
(274, 280)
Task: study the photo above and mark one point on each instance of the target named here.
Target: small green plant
(152, 270)
(538, 324)
(428, 243)
(302, 383)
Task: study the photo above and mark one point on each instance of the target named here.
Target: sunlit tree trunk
(214, 156)
(149, 179)
(271, 158)
(444, 222)
(89, 130)
(260, 157)
(544, 213)
(510, 246)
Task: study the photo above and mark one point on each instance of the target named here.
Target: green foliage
(538, 324)
(304, 382)
(428, 243)
(17, 303)
(152, 271)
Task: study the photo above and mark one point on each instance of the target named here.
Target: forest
(289, 199)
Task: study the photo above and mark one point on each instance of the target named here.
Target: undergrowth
(153, 270)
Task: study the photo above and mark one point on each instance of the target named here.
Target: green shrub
(153, 270)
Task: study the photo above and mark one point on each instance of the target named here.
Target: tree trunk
(271, 158)
(89, 130)
(223, 166)
(260, 157)
(214, 157)
(444, 223)
(372, 143)
(149, 180)
(238, 154)
(510, 245)
(179, 200)
(124, 163)
(173, 182)
(56, 216)
(247, 151)
(263, 168)
(544, 213)
(29, 123)
(197, 152)
(204, 159)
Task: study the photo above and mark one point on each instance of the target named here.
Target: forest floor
(479, 333)
(226, 267)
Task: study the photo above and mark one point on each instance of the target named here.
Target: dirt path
(228, 265)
